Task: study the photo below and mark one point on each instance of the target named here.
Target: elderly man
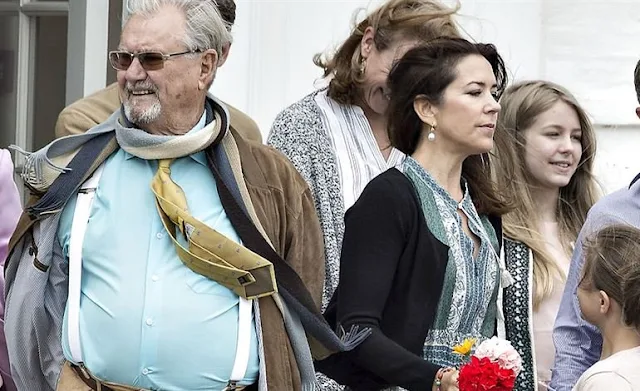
(87, 112)
(578, 343)
(165, 252)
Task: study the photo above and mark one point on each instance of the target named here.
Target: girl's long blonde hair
(521, 105)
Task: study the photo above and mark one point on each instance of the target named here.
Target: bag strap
(290, 286)
(634, 180)
(89, 157)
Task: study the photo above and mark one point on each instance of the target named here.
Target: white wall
(589, 46)
(270, 65)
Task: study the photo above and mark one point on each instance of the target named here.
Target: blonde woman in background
(545, 147)
(337, 137)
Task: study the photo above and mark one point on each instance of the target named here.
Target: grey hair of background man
(205, 28)
(636, 80)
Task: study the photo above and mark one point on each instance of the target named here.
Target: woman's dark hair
(227, 9)
(426, 71)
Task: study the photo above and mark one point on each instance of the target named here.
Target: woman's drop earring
(363, 66)
(432, 133)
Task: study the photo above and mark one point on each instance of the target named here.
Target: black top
(391, 277)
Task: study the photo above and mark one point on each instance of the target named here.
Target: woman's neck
(444, 167)
(546, 204)
(378, 124)
(617, 337)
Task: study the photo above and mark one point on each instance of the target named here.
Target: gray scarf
(43, 166)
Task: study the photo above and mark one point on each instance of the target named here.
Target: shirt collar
(199, 157)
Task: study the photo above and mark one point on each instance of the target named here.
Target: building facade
(54, 52)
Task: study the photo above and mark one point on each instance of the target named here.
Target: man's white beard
(145, 117)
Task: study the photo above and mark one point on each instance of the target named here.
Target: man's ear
(208, 66)
(225, 53)
(638, 111)
(425, 110)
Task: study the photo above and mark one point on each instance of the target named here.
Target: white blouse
(357, 152)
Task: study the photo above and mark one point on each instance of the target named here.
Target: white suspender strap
(78, 229)
(243, 348)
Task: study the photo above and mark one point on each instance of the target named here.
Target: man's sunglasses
(150, 61)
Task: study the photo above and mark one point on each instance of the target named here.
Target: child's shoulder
(617, 372)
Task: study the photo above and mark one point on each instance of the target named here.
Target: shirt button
(149, 322)
(145, 371)
(154, 278)
(159, 235)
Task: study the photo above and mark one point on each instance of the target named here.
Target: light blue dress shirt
(579, 344)
(147, 320)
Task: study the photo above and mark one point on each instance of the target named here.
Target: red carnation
(485, 375)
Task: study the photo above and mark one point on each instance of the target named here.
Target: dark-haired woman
(419, 263)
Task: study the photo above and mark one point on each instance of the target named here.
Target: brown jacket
(284, 206)
(94, 109)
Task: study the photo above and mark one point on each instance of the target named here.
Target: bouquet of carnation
(494, 366)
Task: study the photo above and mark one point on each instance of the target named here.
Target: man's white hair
(204, 29)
